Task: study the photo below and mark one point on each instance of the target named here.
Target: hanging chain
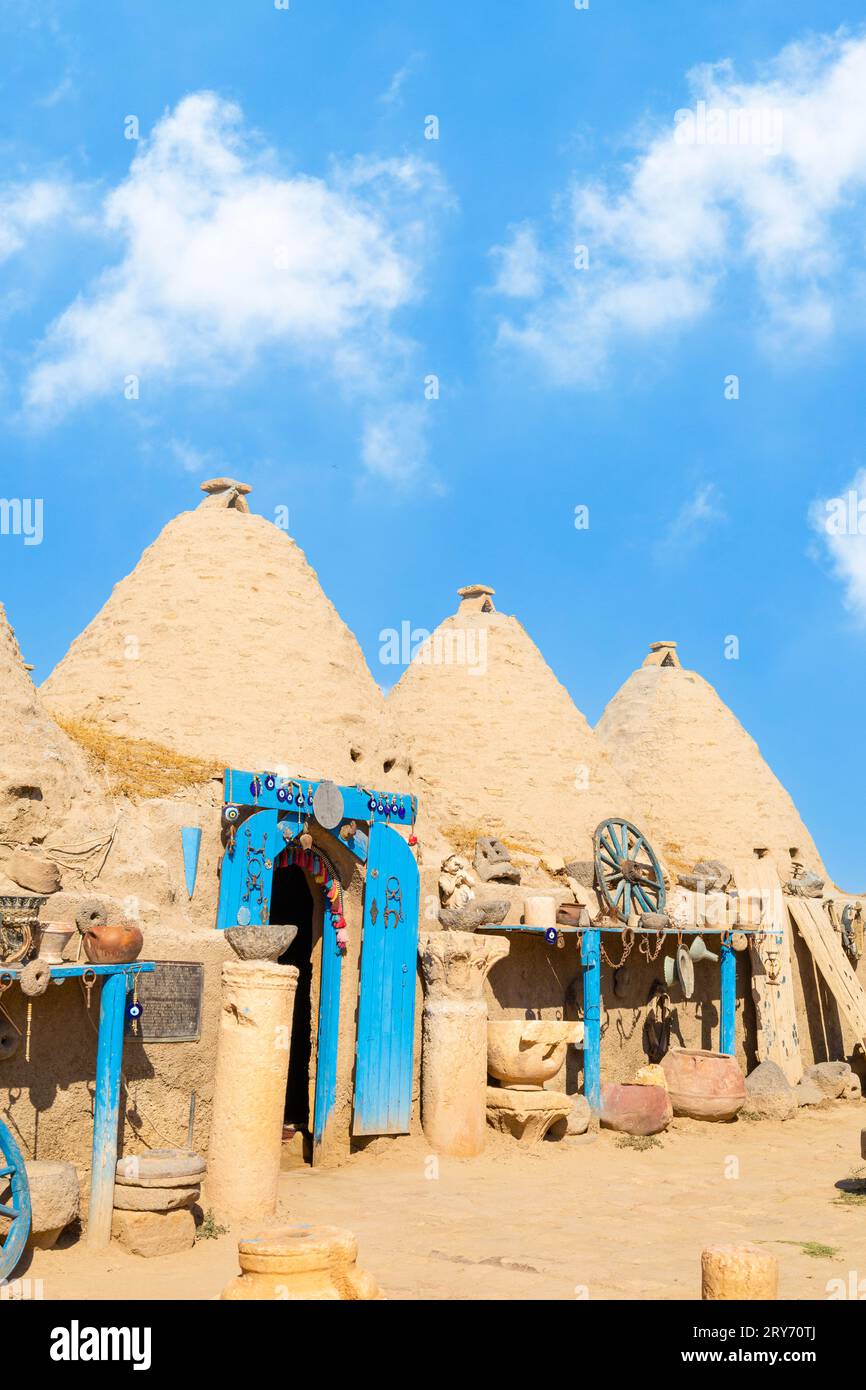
(646, 950)
(627, 938)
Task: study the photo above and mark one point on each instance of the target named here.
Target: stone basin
(260, 943)
(528, 1052)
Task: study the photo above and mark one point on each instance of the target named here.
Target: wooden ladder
(816, 929)
(772, 976)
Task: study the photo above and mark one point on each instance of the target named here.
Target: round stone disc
(163, 1165)
(328, 805)
(154, 1198)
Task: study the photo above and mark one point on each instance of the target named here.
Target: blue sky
(283, 260)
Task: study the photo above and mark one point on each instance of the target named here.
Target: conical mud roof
(496, 742)
(221, 644)
(707, 791)
(51, 803)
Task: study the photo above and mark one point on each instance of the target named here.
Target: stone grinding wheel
(91, 913)
(35, 978)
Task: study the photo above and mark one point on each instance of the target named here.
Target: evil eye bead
(255, 787)
(380, 807)
(282, 794)
(270, 782)
(371, 804)
(401, 812)
(134, 1010)
(300, 798)
(551, 935)
(231, 813)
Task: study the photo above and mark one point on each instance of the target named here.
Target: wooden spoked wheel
(628, 874)
(14, 1203)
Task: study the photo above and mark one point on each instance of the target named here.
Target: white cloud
(691, 525)
(395, 443)
(194, 460)
(223, 256)
(765, 178)
(841, 524)
(520, 264)
(26, 208)
(393, 94)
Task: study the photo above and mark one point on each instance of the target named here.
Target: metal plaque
(328, 805)
(170, 1001)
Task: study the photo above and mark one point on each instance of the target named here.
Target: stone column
(736, 1272)
(455, 965)
(252, 1067)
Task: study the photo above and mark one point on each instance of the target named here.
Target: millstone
(164, 1167)
(154, 1198)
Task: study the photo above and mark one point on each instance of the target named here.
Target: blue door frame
(386, 1014)
(386, 1007)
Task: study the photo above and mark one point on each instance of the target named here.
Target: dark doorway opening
(292, 902)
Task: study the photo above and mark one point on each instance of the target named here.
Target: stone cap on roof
(226, 492)
(662, 654)
(476, 597)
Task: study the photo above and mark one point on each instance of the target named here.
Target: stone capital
(455, 964)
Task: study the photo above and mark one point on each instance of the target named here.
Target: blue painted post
(592, 1017)
(328, 1043)
(106, 1110)
(728, 1009)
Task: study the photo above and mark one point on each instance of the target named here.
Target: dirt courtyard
(578, 1219)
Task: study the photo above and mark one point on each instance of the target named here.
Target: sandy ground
(572, 1220)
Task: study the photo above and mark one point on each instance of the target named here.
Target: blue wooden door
(327, 1039)
(247, 874)
(386, 1008)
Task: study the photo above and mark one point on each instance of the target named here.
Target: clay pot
(635, 1109)
(112, 945)
(53, 938)
(704, 1085)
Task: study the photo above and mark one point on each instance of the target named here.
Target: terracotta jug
(112, 944)
(704, 1085)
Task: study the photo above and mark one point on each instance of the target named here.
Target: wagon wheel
(629, 875)
(13, 1175)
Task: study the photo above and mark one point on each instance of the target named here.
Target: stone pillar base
(300, 1263)
(152, 1233)
(731, 1272)
(525, 1114)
